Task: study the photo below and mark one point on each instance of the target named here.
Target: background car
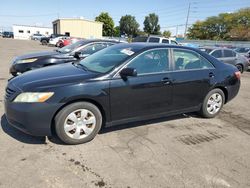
(54, 41)
(228, 56)
(70, 53)
(245, 52)
(45, 40)
(8, 34)
(154, 39)
(120, 84)
(37, 36)
(65, 42)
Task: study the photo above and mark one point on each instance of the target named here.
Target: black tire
(44, 42)
(60, 45)
(240, 68)
(63, 114)
(204, 109)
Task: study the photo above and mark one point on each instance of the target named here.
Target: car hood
(37, 55)
(51, 77)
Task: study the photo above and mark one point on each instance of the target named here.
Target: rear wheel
(213, 103)
(78, 123)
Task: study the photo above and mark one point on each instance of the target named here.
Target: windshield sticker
(127, 52)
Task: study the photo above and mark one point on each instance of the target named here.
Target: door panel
(140, 96)
(148, 93)
(191, 78)
(190, 87)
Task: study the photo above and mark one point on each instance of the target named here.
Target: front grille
(9, 93)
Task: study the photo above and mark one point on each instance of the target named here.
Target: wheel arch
(224, 91)
(97, 104)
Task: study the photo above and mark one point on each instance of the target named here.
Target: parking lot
(178, 151)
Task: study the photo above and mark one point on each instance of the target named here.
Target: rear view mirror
(128, 72)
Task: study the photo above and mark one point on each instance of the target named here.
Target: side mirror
(77, 55)
(128, 72)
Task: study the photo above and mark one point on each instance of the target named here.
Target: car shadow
(28, 139)
(18, 135)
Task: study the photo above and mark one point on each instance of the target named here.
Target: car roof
(146, 45)
(99, 40)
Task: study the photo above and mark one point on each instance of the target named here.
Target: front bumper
(31, 118)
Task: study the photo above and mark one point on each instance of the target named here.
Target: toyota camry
(120, 84)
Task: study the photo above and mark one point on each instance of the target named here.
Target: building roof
(77, 19)
(32, 26)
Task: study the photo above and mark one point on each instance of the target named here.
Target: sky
(171, 12)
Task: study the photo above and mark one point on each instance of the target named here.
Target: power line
(27, 16)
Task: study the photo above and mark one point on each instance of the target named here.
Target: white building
(25, 31)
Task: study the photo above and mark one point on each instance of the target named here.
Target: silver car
(228, 56)
(36, 36)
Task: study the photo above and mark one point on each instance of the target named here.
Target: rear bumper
(233, 90)
(33, 118)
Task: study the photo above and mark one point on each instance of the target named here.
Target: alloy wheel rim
(214, 103)
(79, 124)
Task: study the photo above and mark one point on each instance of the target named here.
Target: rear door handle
(166, 81)
(211, 75)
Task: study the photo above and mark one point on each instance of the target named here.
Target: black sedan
(70, 53)
(120, 84)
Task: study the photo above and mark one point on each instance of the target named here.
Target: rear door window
(165, 41)
(188, 60)
(229, 53)
(217, 53)
(154, 39)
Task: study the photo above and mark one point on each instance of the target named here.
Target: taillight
(237, 74)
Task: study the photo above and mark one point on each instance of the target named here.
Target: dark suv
(8, 34)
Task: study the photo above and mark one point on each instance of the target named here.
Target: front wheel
(78, 123)
(213, 103)
(44, 42)
(240, 68)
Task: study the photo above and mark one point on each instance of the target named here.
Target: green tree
(128, 25)
(225, 26)
(108, 23)
(166, 34)
(117, 32)
(151, 24)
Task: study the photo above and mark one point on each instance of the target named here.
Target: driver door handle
(166, 81)
(211, 75)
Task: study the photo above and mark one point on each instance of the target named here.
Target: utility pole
(176, 30)
(185, 33)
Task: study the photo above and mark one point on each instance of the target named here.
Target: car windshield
(108, 58)
(71, 47)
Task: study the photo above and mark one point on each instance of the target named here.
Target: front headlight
(26, 60)
(31, 97)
